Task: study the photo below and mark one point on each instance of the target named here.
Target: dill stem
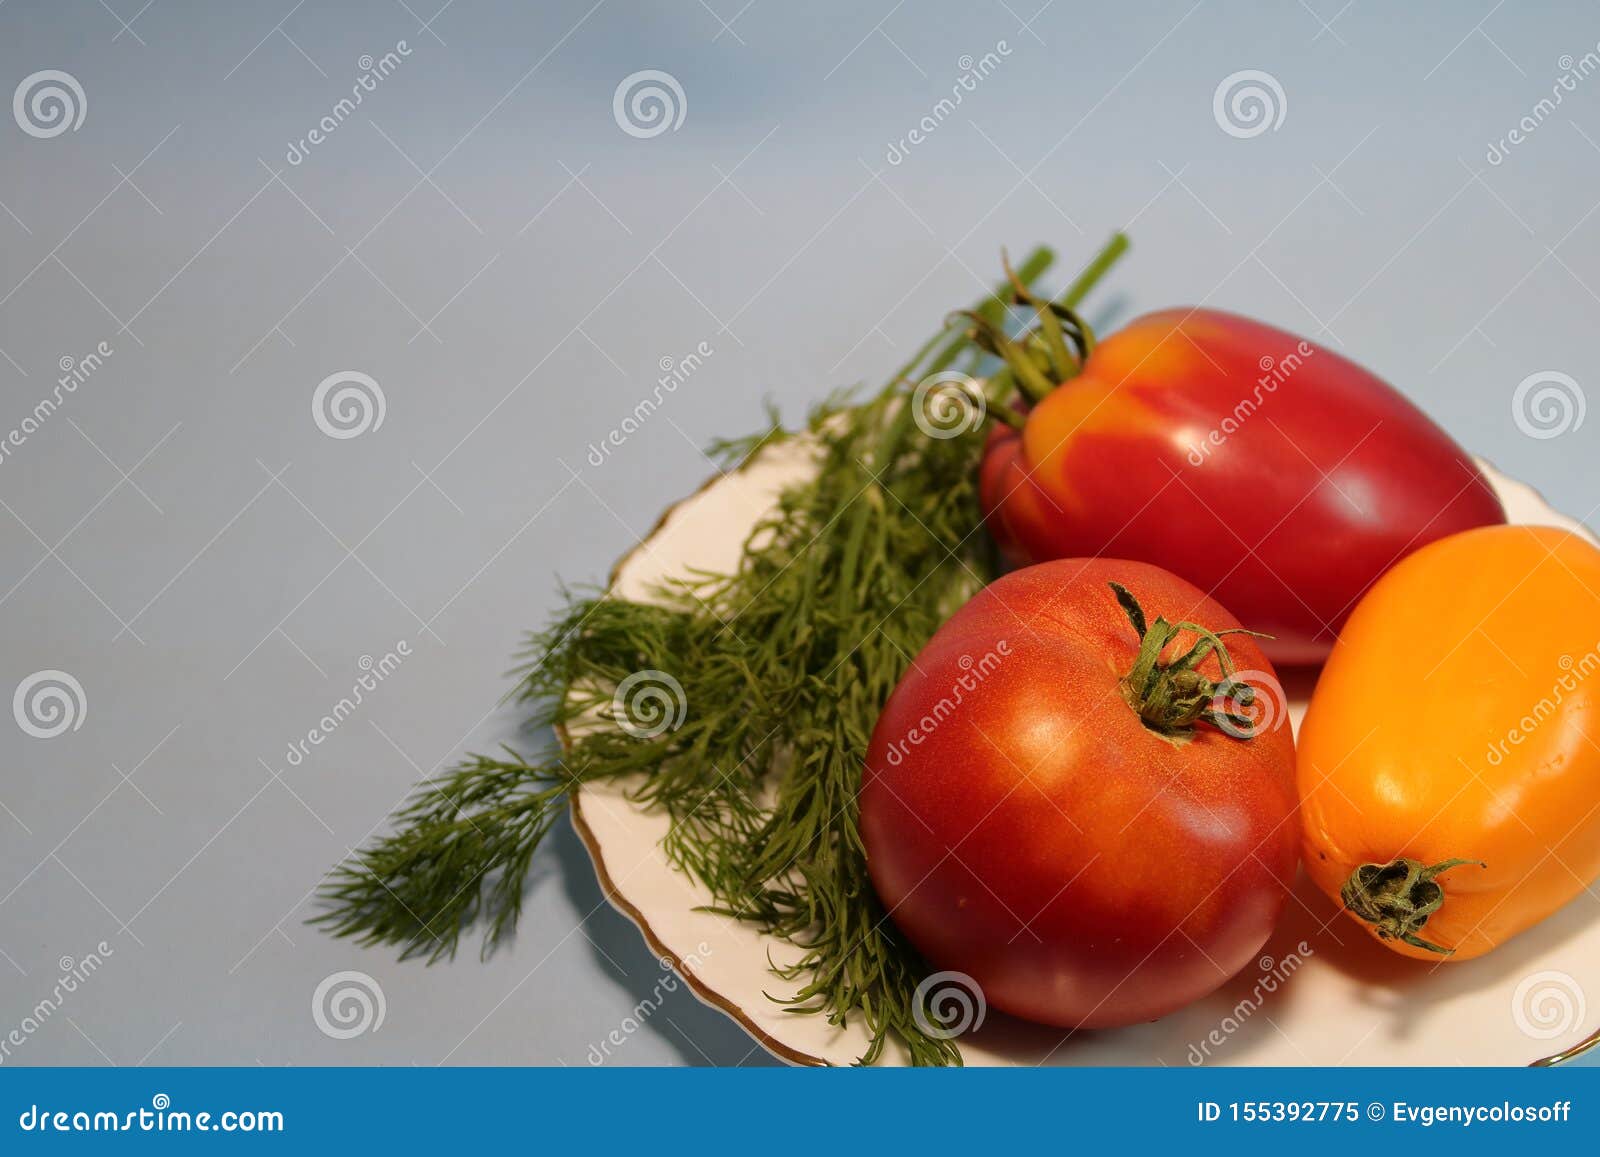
(1094, 271)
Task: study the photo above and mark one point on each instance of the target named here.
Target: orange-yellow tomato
(1449, 764)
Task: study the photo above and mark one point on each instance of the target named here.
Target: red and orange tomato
(1269, 471)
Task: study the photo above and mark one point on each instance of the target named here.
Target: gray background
(484, 240)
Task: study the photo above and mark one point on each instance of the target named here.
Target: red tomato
(1096, 827)
(1268, 470)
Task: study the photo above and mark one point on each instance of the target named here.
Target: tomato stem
(1172, 696)
(1004, 413)
(1398, 897)
(1054, 351)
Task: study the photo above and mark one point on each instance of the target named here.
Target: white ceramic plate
(1322, 993)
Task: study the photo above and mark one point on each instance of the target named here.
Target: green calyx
(1053, 352)
(1171, 697)
(1398, 897)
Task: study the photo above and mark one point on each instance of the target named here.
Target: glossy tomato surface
(1024, 826)
(1269, 471)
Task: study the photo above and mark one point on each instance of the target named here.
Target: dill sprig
(783, 665)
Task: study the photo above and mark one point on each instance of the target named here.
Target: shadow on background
(700, 1034)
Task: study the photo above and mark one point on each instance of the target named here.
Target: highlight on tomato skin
(1082, 795)
(1449, 762)
(1267, 469)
